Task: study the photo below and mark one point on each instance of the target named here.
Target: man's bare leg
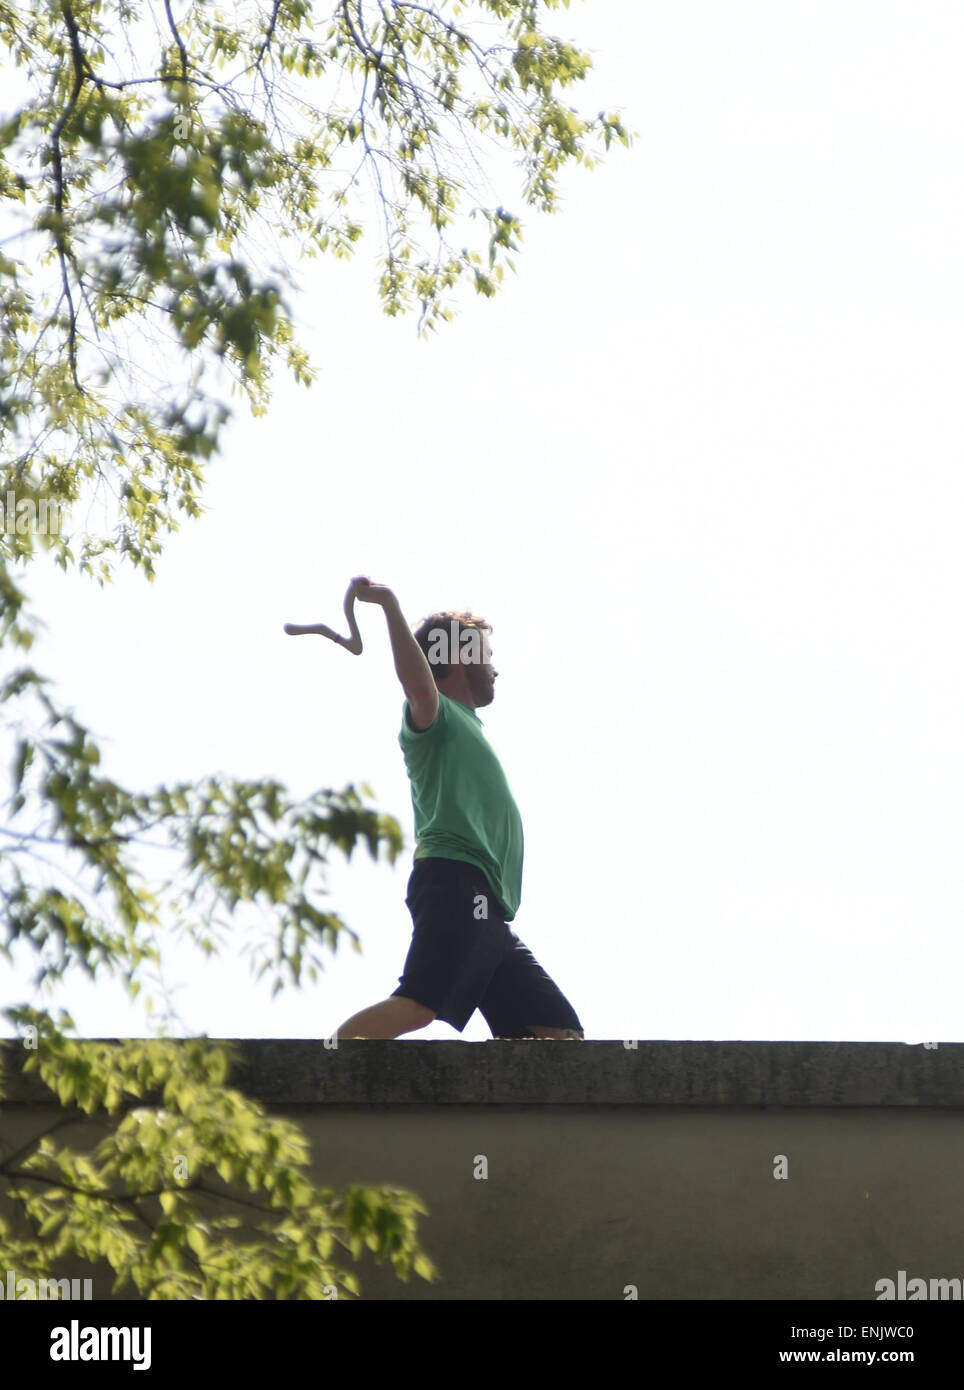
(388, 1019)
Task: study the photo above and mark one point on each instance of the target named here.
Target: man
(466, 882)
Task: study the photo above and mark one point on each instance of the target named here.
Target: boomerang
(351, 644)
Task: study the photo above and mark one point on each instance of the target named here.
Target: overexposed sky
(700, 466)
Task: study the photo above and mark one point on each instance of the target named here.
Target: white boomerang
(351, 644)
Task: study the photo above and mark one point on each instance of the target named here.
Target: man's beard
(483, 690)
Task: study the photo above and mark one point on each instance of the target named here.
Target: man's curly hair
(444, 620)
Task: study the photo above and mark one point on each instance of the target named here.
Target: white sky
(707, 445)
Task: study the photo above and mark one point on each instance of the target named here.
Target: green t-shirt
(463, 806)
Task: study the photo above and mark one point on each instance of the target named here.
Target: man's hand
(365, 591)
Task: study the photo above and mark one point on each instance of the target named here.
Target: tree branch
(177, 39)
(60, 240)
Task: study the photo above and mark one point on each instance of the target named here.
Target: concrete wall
(651, 1167)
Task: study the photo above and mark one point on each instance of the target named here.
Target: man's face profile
(481, 676)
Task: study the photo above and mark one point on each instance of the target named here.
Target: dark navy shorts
(459, 962)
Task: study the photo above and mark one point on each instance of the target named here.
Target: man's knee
(420, 1015)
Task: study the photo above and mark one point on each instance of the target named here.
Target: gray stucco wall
(650, 1168)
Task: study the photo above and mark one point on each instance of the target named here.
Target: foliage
(159, 1197)
(161, 165)
(147, 154)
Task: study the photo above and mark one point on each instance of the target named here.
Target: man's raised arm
(411, 664)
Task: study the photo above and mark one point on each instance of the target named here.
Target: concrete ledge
(591, 1170)
(531, 1072)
